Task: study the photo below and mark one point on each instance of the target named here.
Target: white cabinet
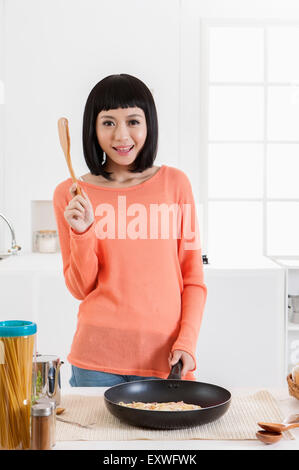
(32, 288)
(241, 342)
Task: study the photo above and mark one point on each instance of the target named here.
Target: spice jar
(41, 426)
(46, 241)
(50, 402)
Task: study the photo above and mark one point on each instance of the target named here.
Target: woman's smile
(123, 150)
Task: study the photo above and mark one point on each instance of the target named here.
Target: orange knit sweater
(138, 271)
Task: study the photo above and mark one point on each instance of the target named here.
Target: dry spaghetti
(15, 391)
(167, 406)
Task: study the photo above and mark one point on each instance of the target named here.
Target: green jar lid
(13, 328)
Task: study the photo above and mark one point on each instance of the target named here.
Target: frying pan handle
(176, 370)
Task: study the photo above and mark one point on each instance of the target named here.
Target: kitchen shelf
(291, 267)
(293, 326)
(42, 218)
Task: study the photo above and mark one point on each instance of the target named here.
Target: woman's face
(121, 128)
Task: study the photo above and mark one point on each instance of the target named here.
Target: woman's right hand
(79, 211)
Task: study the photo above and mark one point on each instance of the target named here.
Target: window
(250, 137)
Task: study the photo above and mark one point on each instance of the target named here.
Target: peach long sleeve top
(138, 272)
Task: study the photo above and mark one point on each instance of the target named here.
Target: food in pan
(167, 406)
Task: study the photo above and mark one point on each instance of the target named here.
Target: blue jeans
(94, 378)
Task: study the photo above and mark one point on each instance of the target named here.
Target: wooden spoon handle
(291, 426)
(64, 137)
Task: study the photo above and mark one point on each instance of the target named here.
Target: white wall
(287, 9)
(54, 52)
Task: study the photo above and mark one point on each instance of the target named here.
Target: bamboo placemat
(96, 423)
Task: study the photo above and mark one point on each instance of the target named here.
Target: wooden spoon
(277, 427)
(65, 142)
(268, 437)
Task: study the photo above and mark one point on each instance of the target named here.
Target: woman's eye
(110, 122)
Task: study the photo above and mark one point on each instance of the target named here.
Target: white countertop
(287, 404)
(40, 262)
(45, 262)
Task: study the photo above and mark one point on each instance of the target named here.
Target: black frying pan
(214, 401)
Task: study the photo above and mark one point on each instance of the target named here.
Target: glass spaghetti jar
(17, 356)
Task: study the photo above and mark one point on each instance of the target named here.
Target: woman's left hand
(187, 360)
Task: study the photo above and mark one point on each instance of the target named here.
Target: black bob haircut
(119, 91)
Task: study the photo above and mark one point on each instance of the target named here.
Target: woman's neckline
(125, 188)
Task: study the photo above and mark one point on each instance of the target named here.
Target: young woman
(141, 283)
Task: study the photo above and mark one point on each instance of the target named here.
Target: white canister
(46, 241)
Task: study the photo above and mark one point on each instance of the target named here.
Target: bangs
(117, 93)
